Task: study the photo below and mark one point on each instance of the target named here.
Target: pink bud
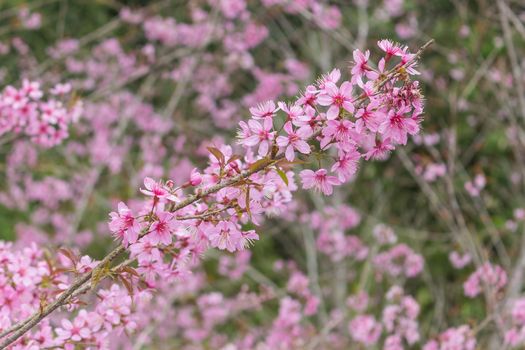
(195, 178)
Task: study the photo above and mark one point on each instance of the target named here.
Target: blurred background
(161, 80)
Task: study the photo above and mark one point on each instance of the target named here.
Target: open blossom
(400, 315)
(124, 225)
(346, 164)
(340, 131)
(247, 238)
(398, 261)
(85, 264)
(390, 48)
(336, 98)
(361, 67)
(292, 111)
(157, 190)
(309, 97)
(397, 126)
(76, 330)
(380, 150)
(474, 187)
(319, 180)
(162, 228)
(264, 110)
(332, 77)
(515, 335)
(145, 250)
(294, 141)
(369, 117)
(225, 235)
(261, 135)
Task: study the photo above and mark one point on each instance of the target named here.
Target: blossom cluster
(461, 338)
(25, 111)
(400, 260)
(398, 322)
(488, 277)
(515, 335)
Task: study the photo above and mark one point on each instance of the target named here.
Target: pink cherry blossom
(336, 98)
(261, 135)
(319, 180)
(162, 229)
(361, 67)
(225, 235)
(264, 110)
(397, 126)
(294, 141)
(346, 165)
(124, 225)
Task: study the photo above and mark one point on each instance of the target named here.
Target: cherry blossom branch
(102, 270)
(33, 320)
(204, 215)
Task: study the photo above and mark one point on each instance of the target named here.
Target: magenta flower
(32, 89)
(332, 77)
(459, 261)
(340, 131)
(369, 118)
(294, 141)
(123, 225)
(336, 98)
(260, 135)
(405, 58)
(319, 180)
(308, 120)
(309, 97)
(264, 110)
(293, 111)
(380, 150)
(247, 237)
(346, 165)
(162, 229)
(390, 48)
(397, 126)
(487, 275)
(157, 190)
(361, 67)
(144, 250)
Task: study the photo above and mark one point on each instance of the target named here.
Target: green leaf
(98, 274)
(282, 175)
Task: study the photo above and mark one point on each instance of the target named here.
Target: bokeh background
(161, 80)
